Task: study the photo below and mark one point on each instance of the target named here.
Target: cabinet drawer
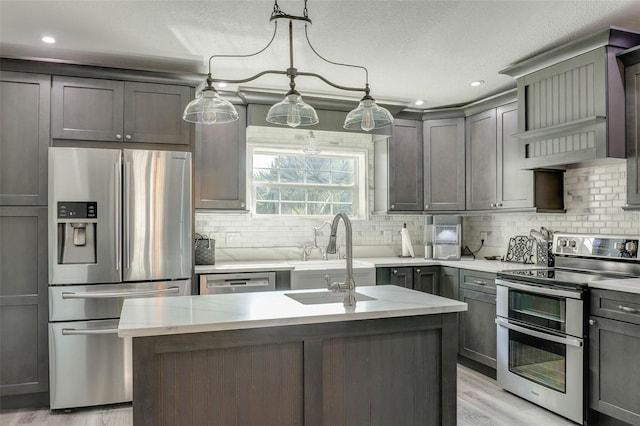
(616, 305)
(479, 281)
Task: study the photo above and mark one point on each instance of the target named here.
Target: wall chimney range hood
(571, 106)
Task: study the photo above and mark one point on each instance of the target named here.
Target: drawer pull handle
(628, 309)
(479, 282)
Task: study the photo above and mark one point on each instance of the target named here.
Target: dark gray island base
(387, 371)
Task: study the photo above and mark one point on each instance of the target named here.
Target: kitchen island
(294, 357)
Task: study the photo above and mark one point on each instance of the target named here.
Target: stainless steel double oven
(541, 320)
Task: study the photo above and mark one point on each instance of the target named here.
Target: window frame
(360, 156)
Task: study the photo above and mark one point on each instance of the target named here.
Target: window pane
(291, 162)
(342, 164)
(343, 196)
(263, 193)
(265, 175)
(318, 163)
(342, 208)
(264, 161)
(292, 208)
(340, 178)
(291, 175)
(265, 207)
(320, 195)
(292, 194)
(319, 208)
(318, 177)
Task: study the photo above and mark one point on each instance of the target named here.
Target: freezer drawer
(103, 301)
(88, 364)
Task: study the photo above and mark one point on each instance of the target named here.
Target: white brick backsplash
(593, 199)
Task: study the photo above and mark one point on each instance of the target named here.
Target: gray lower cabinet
(24, 137)
(405, 166)
(614, 363)
(449, 282)
(632, 93)
(444, 164)
(91, 109)
(23, 301)
(421, 278)
(477, 328)
(220, 171)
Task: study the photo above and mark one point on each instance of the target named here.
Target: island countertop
(193, 314)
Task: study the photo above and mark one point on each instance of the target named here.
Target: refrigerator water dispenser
(77, 232)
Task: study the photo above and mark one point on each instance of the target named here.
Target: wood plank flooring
(480, 402)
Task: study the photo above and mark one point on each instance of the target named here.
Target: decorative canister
(544, 253)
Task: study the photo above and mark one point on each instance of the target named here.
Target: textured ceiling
(427, 50)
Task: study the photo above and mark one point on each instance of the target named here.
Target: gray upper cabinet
(405, 166)
(482, 160)
(92, 109)
(571, 101)
(23, 301)
(444, 164)
(24, 137)
(632, 93)
(220, 172)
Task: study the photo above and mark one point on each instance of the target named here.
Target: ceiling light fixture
(210, 108)
(476, 83)
(419, 102)
(48, 39)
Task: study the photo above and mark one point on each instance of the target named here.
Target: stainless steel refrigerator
(119, 227)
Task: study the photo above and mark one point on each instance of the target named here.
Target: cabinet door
(448, 283)
(477, 330)
(444, 165)
(481, 161)
(402, 277)
(153, 113)
(87, 109)
(221, 164)
(614, 367)
(23, 300)
(515, 185)
(425, 279)
(405, 166)
(24, 137)
(632, 93)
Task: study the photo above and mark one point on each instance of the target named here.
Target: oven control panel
(600, 246)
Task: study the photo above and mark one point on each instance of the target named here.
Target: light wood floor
(480, 402)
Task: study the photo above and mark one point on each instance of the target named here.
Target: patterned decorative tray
(520, 249)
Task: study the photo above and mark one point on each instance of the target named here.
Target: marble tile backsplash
(594, 197)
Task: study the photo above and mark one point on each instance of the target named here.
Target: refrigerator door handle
(76, 332)
(127, 218)
(116, 215)
(109, 294)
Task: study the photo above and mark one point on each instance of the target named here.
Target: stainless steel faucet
(306, 250)
(349, 285)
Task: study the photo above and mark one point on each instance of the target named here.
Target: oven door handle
(540, 290)
(563, 340)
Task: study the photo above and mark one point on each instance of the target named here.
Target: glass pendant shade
(292, 112)
(209, 108)
(368, 116)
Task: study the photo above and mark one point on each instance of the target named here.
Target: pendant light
(210, 108)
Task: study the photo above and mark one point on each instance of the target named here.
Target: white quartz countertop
(492, 266)
(628, 285)
(193, 314)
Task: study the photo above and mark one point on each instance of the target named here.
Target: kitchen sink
(321, 297)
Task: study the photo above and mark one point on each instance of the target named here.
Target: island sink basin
(321, 297)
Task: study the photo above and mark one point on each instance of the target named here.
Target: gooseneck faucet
(349, 285)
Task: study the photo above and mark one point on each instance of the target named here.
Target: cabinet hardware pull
(128, 137)
(628, 309)
(417, 270)
(395, 271)
(592, 322)
(426, 206)
(479, 282)
(118, 136)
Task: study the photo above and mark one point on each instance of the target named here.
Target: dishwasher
(237, 283)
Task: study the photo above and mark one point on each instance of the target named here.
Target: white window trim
(361, 175)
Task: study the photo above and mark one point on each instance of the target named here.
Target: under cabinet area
(220, 164)
(93, 109)
(477, 328)
(421, 278)
(614, 348)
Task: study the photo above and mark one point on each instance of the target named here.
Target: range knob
(620, 246)
(631, 247)
(562, 243)
(572, 244)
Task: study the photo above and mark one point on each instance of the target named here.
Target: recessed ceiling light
(476, 83)
(419, 102)
(48, 39)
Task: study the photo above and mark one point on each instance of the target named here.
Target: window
(288, 182)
